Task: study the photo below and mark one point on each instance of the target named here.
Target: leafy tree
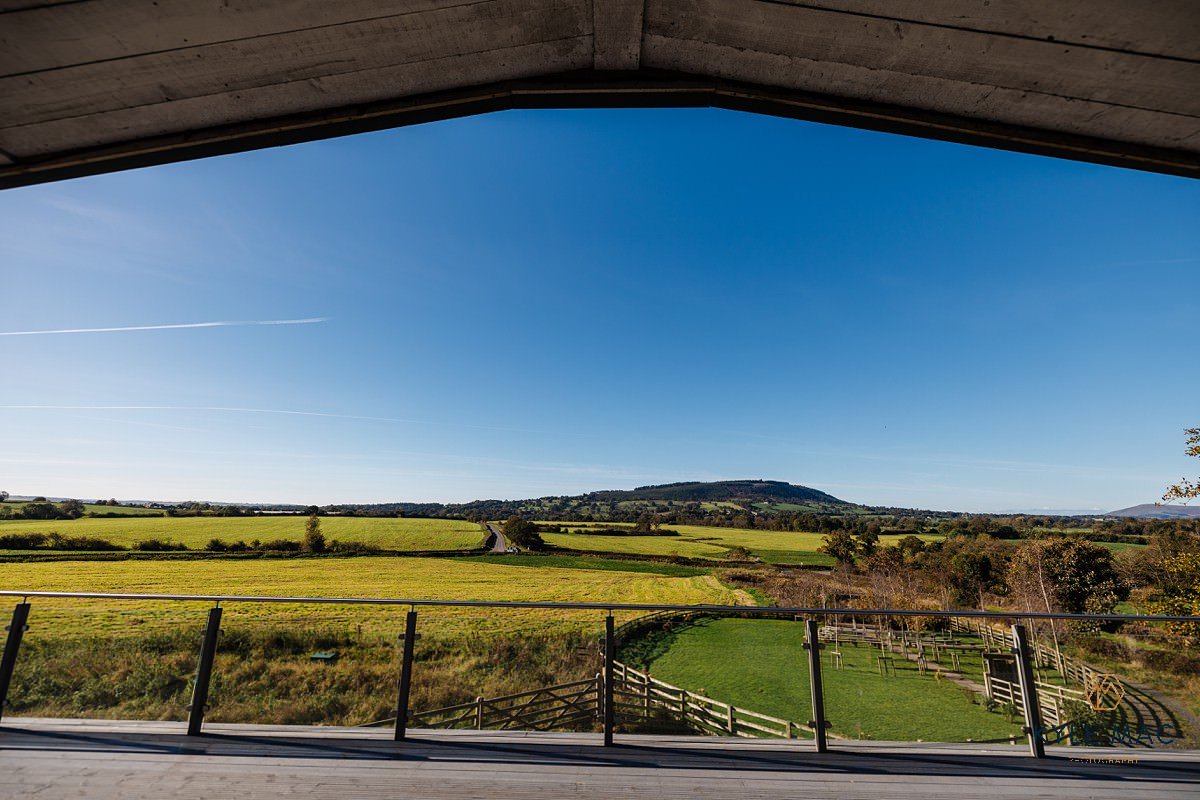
(646, 523)
(1186, 490)
(867, 542)
(910, 546)
(1078, 575)
(314, 540)
(523, 533)
(840, 544)
(971, 574)
(71, 509)
(1180, 594)
(3, 495)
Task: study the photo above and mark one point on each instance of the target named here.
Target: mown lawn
(761, 665)
(195, 532)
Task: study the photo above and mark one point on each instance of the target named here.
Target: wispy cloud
(283, 412)
(308, 321)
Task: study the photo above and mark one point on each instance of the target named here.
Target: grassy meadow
(761, 665)
(383, 532)
(92, 508)
(714, 544)
(418, 578)
(134, 659)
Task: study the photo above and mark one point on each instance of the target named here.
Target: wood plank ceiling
(90, 86)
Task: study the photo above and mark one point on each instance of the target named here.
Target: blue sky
(534, 303)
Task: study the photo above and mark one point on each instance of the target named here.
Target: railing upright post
(12, 645)
(208, 654)
(1029, 698)
(600, 695)
(610, 646)
(813, 645)
(406, 665)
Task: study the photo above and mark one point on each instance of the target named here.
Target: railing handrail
(593, 606)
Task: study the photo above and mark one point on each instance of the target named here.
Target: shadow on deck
(102, 759)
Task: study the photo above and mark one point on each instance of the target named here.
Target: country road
(498, 542)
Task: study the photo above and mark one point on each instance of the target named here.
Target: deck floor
(100, 759)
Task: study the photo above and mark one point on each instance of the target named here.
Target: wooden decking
(152, 760)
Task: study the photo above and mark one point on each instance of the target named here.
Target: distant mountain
(1151, 511)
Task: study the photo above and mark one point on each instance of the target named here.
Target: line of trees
(41, 509)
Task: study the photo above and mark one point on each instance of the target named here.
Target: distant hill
(717, 502)
(1151, 511)
(759, 491)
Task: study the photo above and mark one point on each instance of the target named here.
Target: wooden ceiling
(90, 86)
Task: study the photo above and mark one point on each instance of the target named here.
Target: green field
(133, 659)
(761, 665)
(417, 578)
(636, 545)
(90, 508)
(383, 532)
(695, 541)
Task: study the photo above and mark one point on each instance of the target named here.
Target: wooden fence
(551, 707)
(921, 645)
(637, 695)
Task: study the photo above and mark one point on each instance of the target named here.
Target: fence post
(208, 653)
(12, 644)
(610, 646)
(813, 646)
(646, 694)
(406, 665)
(479, 713)
(1029, 698)
(729, 721)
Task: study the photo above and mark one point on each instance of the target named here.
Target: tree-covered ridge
(733, 503)
(724, 491)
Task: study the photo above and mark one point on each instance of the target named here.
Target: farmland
(424, 578)
(132, 659)
(194, 532)
(102, 510)
(696, 541)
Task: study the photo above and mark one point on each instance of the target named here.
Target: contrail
(308, 321)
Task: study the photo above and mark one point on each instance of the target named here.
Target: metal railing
(605, 698)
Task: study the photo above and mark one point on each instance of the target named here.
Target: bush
(22, 541)
(351, 548)
(56, 541)
(278, 546)
(159, 546)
